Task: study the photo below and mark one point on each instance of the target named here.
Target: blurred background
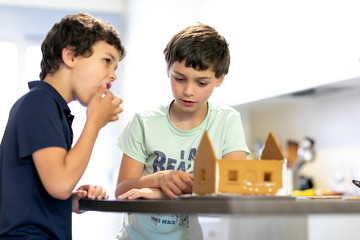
(294, 71)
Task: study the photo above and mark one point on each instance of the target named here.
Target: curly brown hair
(80, 31)
(202, 47)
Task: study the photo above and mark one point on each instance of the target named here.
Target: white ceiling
(111, 6)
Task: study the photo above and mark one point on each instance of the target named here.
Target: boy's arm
(240, 155)
(171, 182)
(60, 170)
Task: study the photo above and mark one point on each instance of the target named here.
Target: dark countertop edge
(225, 206)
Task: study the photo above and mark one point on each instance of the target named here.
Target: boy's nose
(112, 76)
(188, 91)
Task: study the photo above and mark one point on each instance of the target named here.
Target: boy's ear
(68, 56)
(220, 80)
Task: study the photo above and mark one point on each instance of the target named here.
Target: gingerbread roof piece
(204, 167)
(272, 149)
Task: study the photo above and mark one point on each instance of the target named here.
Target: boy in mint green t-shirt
(159, 145)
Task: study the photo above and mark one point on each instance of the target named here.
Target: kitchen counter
(256, 205)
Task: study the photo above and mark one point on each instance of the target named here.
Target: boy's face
(192, 88)
(97, 71)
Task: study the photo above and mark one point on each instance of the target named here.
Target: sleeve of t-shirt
(39, 125)
(131, 141)
(234, 137)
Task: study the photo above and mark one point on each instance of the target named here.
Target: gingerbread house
(242, 176)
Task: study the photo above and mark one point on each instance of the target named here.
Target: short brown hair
(202, 47)
(80, 31)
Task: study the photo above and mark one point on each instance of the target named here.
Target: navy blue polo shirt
(39, 119)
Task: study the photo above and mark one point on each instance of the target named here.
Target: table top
(228, 204)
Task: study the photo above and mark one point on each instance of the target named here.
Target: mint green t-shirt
(153, 140)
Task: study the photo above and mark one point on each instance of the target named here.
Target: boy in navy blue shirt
(38, 168)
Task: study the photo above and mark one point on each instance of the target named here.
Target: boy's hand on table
(148, 193)
(174, 183)
(88, 191)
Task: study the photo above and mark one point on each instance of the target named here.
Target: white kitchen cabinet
(280, 47)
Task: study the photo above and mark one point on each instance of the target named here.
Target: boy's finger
(114, 118)
(185, 188)
(90, 191)
(99, 94)
(177, 188)
(188, 179)
(107, 94)
(124, 195)
(116, 101)
(99, 192)
(80, 194)
(169, 193)
(102, 90)
(116, 98)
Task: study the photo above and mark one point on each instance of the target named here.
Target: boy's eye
(107, 60)
(179, 79)
(202, 84)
